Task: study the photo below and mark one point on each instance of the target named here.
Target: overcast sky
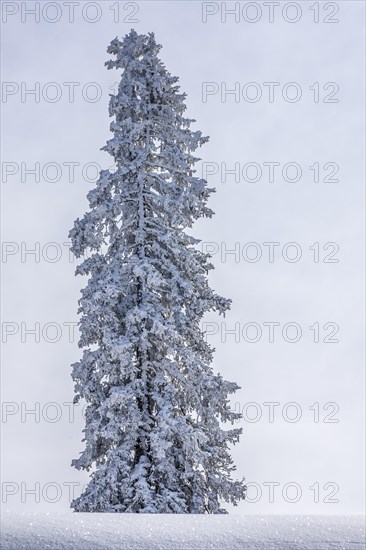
(292, 135)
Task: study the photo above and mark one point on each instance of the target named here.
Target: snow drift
(81, 531)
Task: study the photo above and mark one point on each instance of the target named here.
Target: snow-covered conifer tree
(153, 434)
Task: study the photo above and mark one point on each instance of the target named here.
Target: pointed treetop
(133, 46)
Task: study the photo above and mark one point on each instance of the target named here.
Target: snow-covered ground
(179, 532)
